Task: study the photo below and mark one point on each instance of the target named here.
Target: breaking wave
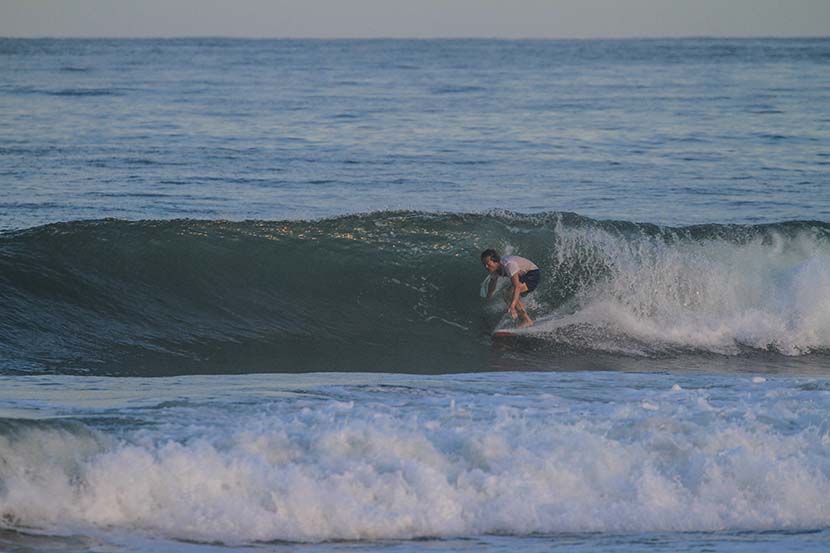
(397, 291)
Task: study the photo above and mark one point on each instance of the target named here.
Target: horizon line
(416, 38)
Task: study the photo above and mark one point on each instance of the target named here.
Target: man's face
(490, 265)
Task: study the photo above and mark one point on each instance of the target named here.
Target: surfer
(524, 276)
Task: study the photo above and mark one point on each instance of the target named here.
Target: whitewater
(240, 311)
(391, 457)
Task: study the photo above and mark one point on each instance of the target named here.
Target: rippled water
(676, 132)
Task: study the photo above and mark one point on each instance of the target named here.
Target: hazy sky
(414, 18)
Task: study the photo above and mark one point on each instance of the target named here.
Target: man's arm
(491, 288)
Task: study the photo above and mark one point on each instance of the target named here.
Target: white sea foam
(669, 461)
(712, 295)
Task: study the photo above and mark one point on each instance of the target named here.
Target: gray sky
(414, 18)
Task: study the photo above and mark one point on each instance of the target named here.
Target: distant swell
(397, 291)
(84, 92)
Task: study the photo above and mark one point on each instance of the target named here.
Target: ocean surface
(240, 310)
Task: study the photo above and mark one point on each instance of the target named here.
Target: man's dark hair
(492, 254)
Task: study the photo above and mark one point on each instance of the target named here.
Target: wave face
(397, 291)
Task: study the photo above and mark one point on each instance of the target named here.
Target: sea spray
(711, 289)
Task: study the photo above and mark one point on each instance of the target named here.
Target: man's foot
(526, 323)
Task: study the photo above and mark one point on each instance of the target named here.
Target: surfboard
(510, 331)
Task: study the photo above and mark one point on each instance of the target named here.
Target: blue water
(239, 285)
(676, 132)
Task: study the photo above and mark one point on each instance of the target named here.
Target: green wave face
(393, 291)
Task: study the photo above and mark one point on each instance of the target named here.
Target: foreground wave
(366, 462)
(398, 291)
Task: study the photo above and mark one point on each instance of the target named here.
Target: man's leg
(520, 307)
(526, 320)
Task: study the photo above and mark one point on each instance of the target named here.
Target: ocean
(239, 286)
